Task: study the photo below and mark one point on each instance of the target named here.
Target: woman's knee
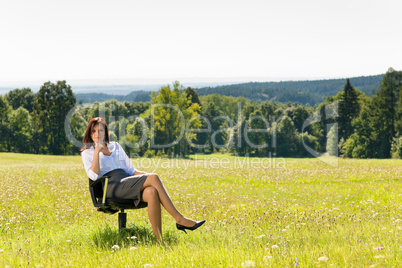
(154, 177)
(150, 193)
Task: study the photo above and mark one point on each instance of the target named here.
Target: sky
(112, 42)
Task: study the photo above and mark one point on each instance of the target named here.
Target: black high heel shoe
(183, 228)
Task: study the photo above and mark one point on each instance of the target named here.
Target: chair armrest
(104, 180)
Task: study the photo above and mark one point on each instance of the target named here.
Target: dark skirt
(122, 185)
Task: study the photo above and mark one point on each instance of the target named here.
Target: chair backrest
(97, 189)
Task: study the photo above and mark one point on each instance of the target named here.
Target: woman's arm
(95, 161)
(126, 163)
(137, 172)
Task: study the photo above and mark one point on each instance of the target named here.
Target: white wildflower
(133, 237)
(267, 259)
(248, 264)
(275, 246)
(133, 248)
(148, 265)
(323, 258)
(115, 247)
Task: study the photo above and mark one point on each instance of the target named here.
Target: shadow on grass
(108, 236)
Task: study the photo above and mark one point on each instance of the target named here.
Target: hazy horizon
(124, 86)
(200, 81)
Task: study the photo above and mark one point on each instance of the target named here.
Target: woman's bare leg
(154, 181)
(150, 195)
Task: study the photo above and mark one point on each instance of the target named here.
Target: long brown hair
(87, 140)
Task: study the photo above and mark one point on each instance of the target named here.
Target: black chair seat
(124, 203)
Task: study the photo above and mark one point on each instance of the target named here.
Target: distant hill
(312, 92)
(304, 92)
(136, 96)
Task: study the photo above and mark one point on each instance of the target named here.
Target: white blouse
(117, 160)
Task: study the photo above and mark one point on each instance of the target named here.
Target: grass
(261, 212)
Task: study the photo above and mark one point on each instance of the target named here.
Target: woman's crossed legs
(154, 193)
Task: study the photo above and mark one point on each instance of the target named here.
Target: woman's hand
(99, 147)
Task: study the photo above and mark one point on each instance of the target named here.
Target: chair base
(122, 220)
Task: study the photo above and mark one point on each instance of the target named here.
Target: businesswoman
(102, 157)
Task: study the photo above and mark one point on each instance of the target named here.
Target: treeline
(36, 123)
(373, 127)
(256, 92)
(339, 126)
(30, 123)
(303, 92)
(178, 121)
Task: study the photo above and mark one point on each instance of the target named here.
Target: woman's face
(98, 133)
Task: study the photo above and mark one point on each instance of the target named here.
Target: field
(259, 212)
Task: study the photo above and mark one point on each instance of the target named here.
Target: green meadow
(259, 211)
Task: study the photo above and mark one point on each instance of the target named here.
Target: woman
(102, 157)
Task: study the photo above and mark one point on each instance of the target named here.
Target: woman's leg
(150, 195)
(154, 181)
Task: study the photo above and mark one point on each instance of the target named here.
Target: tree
(173, 112)
(386, 101)
(258, 132)
(377, 124)
(286, 137)
(137, 137)
(20, 141)
(300, 115)
(332, 141)
(5, 132)
(51, 106)
(136, 108)
(21, 98)
(249, 108)
(239, 141)
(211, 112)
(349, 108)
(396, 147)
(319, 129)
(227, 105)
(193, 95)
(268, 111)
(303, 140)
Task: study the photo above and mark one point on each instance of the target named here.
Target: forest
(311, 92)
(178, 121)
